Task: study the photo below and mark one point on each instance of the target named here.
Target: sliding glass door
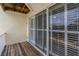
(57, 30)
(61, 28)
(64, 29)
(38, 30)
(31, 30)
(41, 30)
(73, 29)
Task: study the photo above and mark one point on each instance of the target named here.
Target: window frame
(65, 31)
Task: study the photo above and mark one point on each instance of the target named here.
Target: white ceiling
(35, 6)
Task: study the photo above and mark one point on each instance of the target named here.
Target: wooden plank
(20, 49)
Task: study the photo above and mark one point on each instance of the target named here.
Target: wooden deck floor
(20, 49)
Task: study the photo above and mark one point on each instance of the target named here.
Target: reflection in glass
(44, 21)
(40, 33)
(31, 34)
(44, 42)
(73, 17)
(57, 19)
(39, 23)
(39, 39)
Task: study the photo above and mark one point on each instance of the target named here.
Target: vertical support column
(51, 39)
(42, 31)
(47, 13)
(29, 29)
(65, 30)
(34, 29)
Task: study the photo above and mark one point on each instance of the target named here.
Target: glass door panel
(56, 28)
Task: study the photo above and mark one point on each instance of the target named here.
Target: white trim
(47, 18)
(34, 28)
(73, 32)
(57, 30)
(50, 5)
(65, 29)
(29, 6)
(39, 29)
(42, 31)
(51, 34)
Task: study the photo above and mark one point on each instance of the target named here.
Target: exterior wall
(14, 25)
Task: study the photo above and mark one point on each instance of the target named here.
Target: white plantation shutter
(57, 30)
(73, 26)
(63, 32)
(73, 44)
(38, 31)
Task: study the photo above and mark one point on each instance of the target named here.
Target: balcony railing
(2, 42)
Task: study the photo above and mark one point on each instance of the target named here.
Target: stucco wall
(14, 24)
